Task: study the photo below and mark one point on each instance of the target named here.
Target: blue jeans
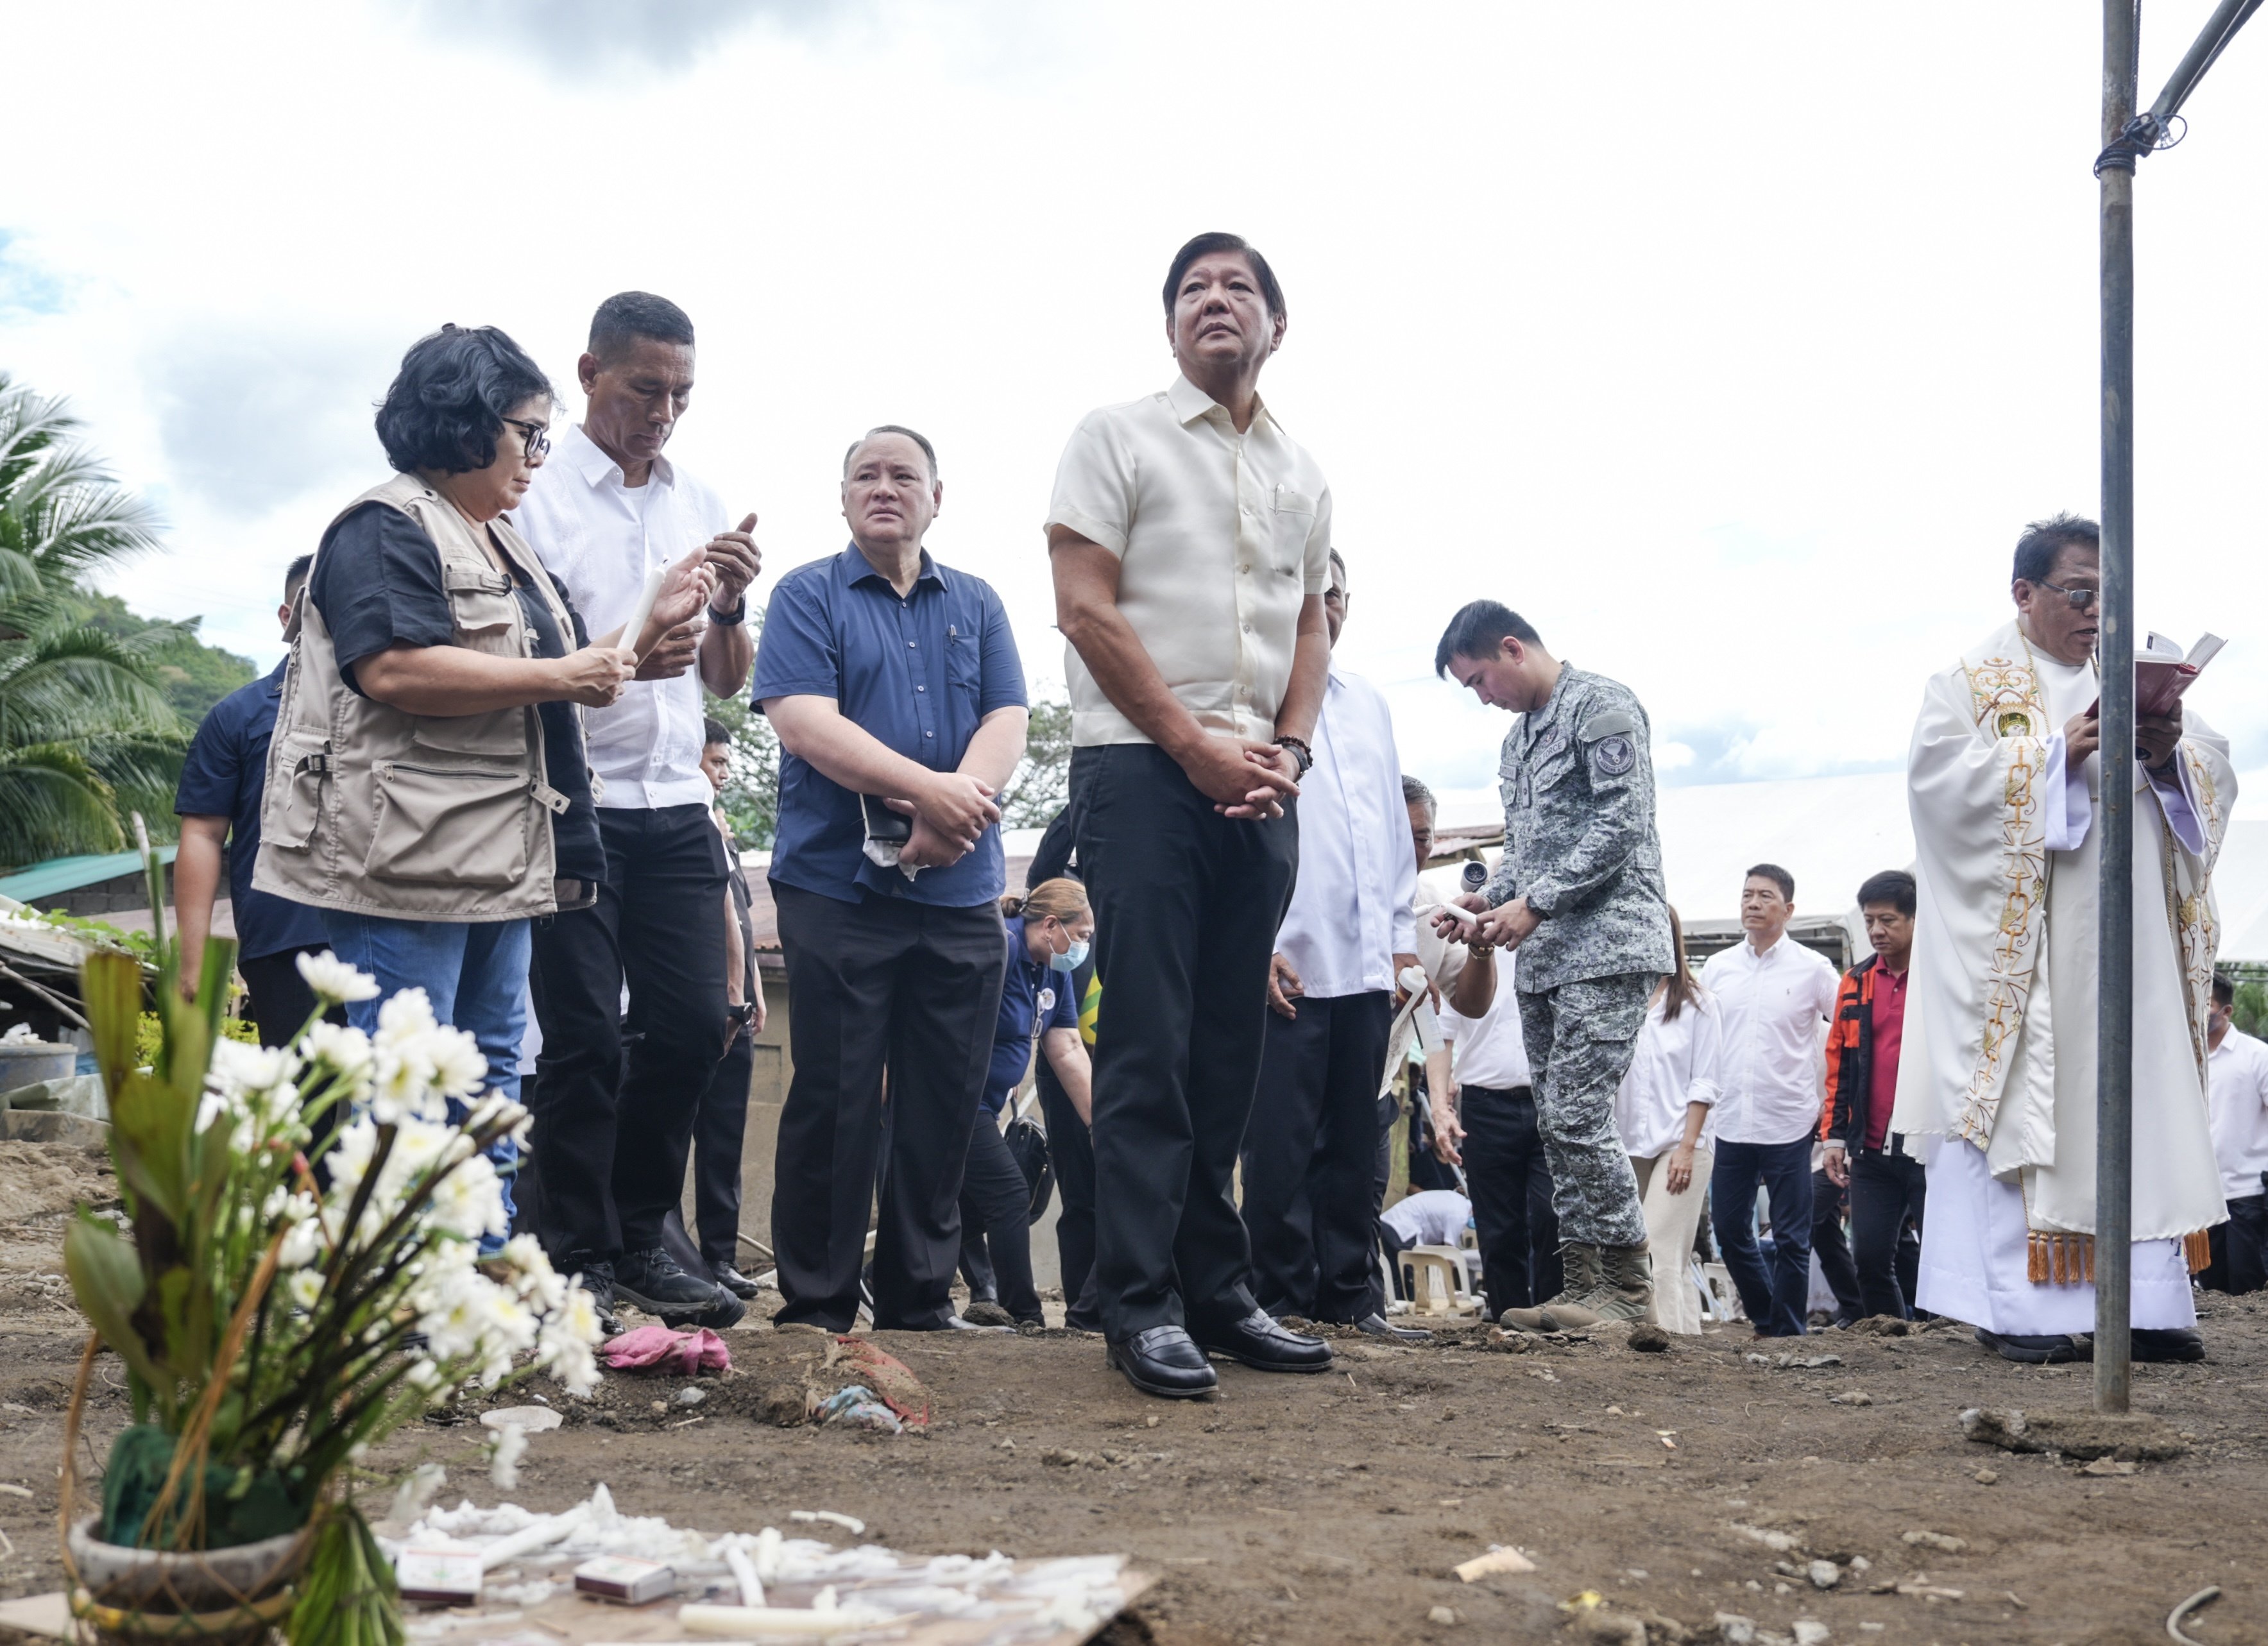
(475, 973)
(1773, 1298)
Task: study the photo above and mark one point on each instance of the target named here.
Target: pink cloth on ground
(659, 1348)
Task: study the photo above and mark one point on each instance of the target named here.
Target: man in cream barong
(2005, 779)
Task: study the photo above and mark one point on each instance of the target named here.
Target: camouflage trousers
(1579, 1038)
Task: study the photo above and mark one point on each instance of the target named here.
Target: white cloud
(1733, 349)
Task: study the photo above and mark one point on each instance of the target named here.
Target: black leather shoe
(652, 1281)
(599, 1280)
(1378, 1325)
(1164, 1361)
(1266, 1344)
(733, 1281)
(2052, 1351)
(2181, 1342)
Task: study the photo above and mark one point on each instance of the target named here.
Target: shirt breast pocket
(1290, 522)
(964, 665)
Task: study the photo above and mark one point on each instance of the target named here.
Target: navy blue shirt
(1034, 997)
(224, 776)
(919, 674)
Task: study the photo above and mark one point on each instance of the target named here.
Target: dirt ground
(1331, 1508)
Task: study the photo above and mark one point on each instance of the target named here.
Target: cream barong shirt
(1220, 538)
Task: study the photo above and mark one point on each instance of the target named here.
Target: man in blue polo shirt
(219, 801)
(895, 689)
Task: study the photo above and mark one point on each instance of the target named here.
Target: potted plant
(299, 1275)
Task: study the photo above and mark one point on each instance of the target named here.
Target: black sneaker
(733, 1281)
(2163, 1343)
(652, 1281)
(598, 1279)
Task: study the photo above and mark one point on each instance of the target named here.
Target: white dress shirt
(1490, 1049)
(2236, 1078)
(1350, 909)
(1772, 1070)
(601, 537)
(1674, 1064)
(1429, 1217)
(1441, 959)
(1220, 538)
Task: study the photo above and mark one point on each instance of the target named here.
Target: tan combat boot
(1583, 1266)
(1624, 1291)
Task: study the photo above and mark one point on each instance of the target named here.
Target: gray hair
(918, 438)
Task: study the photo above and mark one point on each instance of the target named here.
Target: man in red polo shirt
(1885, 1181)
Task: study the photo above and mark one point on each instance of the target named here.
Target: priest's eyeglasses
(2080, 598)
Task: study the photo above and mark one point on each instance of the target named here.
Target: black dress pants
(1311, 1197)
(614, 1096)
(1829, 1202)
(878, 987)
(1070, 1146)
(2239, 1247)
(1886, 1189)
(1186, 907)
(1511, 1184)
(996, 1222)
(720, 1129)
(278, 997)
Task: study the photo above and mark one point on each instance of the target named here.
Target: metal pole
(2114, 1102)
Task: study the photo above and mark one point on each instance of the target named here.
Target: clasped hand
(1243, 779)
(950, 815)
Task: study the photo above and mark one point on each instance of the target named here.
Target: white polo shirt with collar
(1350, 909)
(1771, 1069)
(2237, 1073)
(1220, 537)
(600, 538)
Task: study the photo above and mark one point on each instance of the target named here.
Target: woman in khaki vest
(427, 788)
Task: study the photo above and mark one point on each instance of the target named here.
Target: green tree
(86, 732)
(194, 675)
(1041, 781)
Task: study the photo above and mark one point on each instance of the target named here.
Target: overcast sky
(1732, 345)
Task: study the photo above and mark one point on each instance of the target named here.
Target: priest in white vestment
(1998, 1068)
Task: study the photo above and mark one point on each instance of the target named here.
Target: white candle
(644, 609)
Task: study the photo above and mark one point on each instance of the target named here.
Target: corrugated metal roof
(59, 875)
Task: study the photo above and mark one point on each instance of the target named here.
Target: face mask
(1071, 961)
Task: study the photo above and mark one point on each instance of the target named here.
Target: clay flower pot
(214, 1597)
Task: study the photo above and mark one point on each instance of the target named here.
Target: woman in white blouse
(1663, 1112)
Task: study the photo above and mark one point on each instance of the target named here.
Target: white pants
(1671, 1221)
(1974, 1261)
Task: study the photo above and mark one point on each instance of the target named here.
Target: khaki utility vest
(373, 811)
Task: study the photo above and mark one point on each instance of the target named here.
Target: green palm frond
(29, 424)
(68, 684)
(53, 803)
(70, 517)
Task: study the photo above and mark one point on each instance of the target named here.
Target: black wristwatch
(739, 614)
(1302, 756)
(743, 1014)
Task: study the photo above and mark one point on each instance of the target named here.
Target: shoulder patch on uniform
(1614, 755)
(1606, 724)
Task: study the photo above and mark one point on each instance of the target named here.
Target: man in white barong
(2005, 779)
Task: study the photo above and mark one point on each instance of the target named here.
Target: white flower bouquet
(303, 1271)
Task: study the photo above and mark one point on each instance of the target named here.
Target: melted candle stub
(447, 1577)
(618, 1577)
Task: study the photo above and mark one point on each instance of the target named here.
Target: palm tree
(85, 733)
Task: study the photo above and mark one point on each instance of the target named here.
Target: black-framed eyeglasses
(535, 436)
(2080, 598)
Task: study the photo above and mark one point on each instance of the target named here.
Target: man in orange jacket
(1863, 1154)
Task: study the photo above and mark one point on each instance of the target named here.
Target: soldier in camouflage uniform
(1580, 894)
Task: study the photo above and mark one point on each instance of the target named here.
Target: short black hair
(1777, 874)
(2224, 988)
(1894, 887)
(627, 316)
(914, 435)
(1416, 793)
(714, 730)
(1205, 245)
(295, 574)
(2043, 539)
(446, 406)
(1478, 631)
